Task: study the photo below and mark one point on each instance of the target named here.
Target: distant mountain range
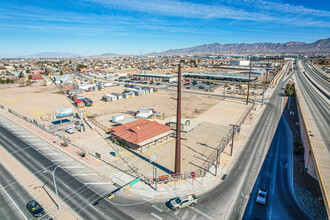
(216, 48)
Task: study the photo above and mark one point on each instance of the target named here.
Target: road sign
(116, 152)
(192, 174)
(134, 181)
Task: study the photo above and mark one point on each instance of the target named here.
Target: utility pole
(178, 126)
(224, 91)
(248, 92)
(267, 69)
(232, 138)
(53, 172)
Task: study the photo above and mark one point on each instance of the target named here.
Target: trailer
(117, 118)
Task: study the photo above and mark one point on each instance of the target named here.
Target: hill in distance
(216, 48)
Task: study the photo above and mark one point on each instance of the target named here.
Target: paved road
(276, 175)
(13, 197)
(318, 105)
(232, 195)
(77, 195)
(322, 83)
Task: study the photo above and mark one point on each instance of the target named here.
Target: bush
(299, 150)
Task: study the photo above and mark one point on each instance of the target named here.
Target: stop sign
(192, 174)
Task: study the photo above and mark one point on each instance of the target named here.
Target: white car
(69, 130)
(261, 196)
(183, 201)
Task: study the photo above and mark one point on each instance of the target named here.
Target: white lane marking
(157, 208)
(28, 155)
(13, 152)
(156, 216)
(98, 183)
(194, 217)
(177, 212)
(61, 160)
(14, 203)
(185, 215)
(66, 186)
(44, 148)
(50, 154)
(202, 213)
(84, 174)
(73, 167)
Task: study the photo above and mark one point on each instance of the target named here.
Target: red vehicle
(187, 80)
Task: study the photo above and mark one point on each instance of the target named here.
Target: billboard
(64, 112)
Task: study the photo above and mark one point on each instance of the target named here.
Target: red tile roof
(140, 130)
(36, 76)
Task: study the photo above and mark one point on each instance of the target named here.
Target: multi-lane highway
(13, 197)
(231, 196)
(318, 103)
(277, 177)
(77, 195)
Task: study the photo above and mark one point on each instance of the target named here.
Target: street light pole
(53, 172)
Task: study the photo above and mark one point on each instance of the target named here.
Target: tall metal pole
(267, 69)
(232, 139)
(58, 201)
(53, 172)
(178, 126)
(248, 92)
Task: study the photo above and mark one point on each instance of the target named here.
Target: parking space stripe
(157, 208)
(185, 215)
(156, 216)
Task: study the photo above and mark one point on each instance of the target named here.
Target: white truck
(183, 201)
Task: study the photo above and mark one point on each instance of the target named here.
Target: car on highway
(261, 196)
(69, 130)
(182, 201)
(34, 208)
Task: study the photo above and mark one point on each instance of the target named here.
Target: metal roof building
(222, 76)
(155, 77)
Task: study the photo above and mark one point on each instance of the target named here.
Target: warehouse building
(155, 77)
(141, 133)
(235, 77)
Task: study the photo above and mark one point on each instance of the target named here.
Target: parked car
(261, 196)
(34, 208)
(158, 84)
(69, 130)
(183, 201)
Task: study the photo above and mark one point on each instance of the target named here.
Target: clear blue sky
(90, 27)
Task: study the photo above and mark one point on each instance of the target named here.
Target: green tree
(61, 72)
(28, 71)
(21, 75)
(7, 81)
(30, 77)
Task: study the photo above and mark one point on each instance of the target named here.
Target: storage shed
(129, 95)
(119, 95)
(88, 102)
(140, 92)
(79, 103)
(109, 98)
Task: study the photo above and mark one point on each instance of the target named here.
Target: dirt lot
(161, 101)
(34, 101)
